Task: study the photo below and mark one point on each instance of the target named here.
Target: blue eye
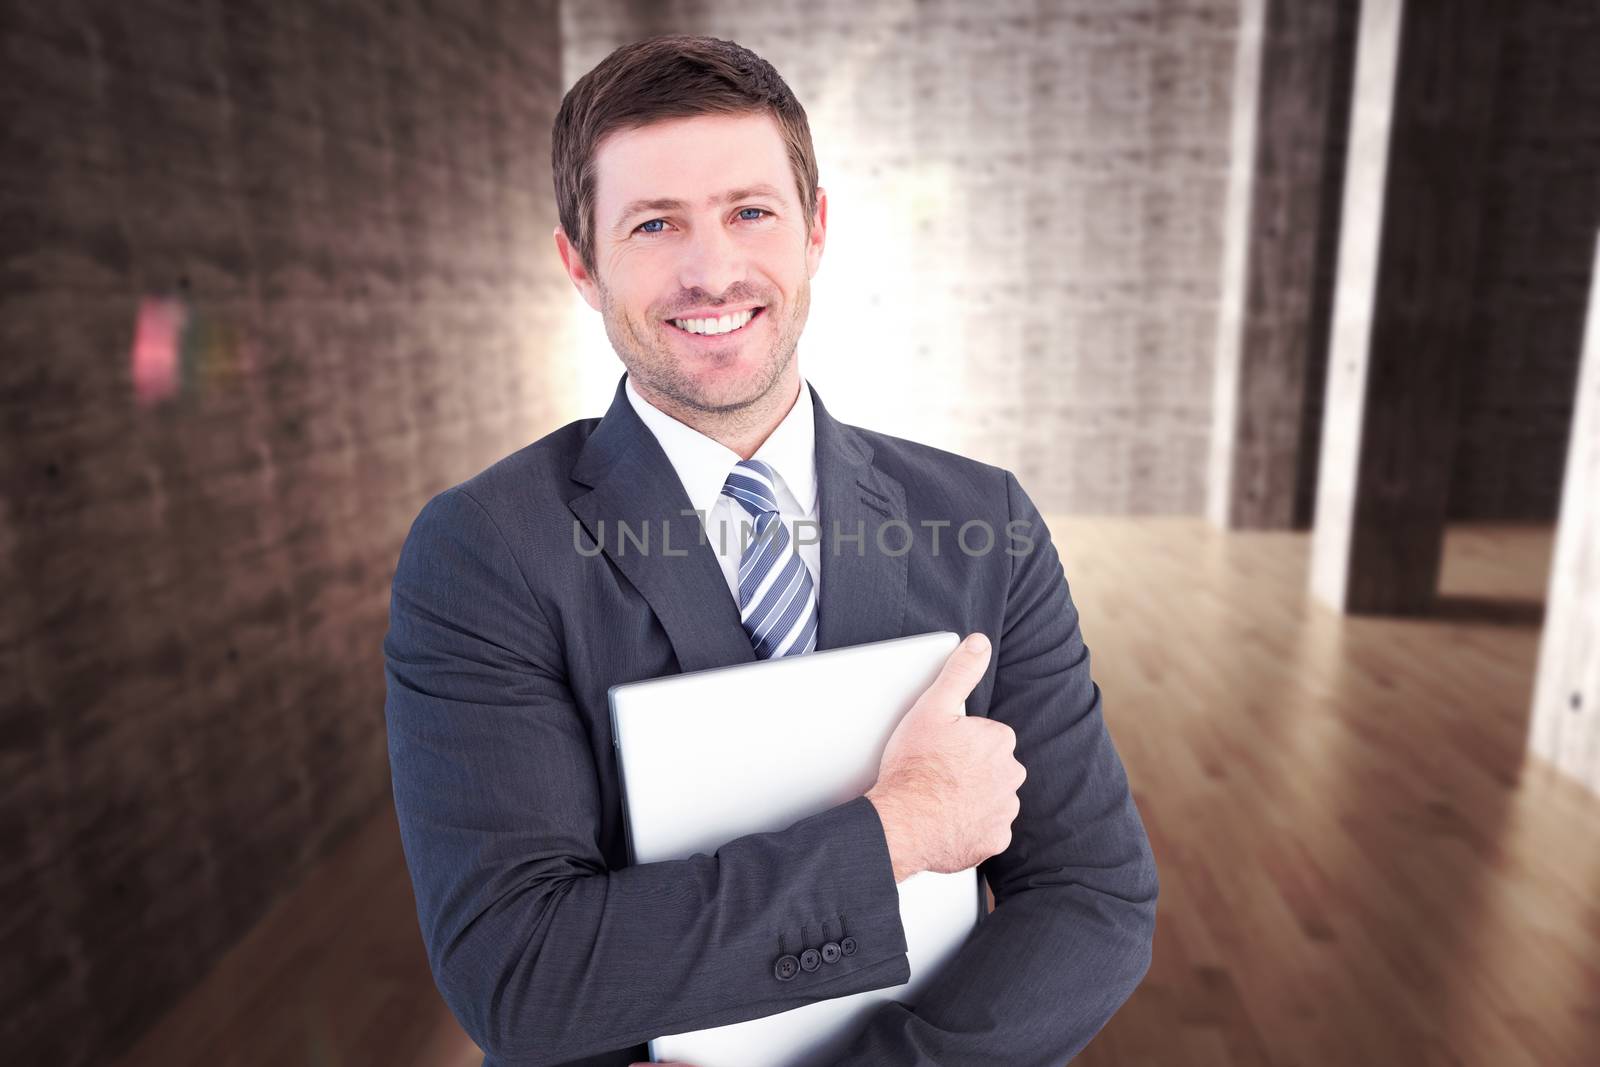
(650, 226)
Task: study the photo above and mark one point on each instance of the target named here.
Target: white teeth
(726, 324)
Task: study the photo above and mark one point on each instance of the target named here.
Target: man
(692, 219)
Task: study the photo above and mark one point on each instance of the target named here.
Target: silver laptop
(702, 764)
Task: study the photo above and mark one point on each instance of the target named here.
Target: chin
(728, 391)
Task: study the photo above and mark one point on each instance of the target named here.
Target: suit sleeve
(1075, 892)
(544, 954)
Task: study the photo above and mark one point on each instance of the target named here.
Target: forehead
(690, 159)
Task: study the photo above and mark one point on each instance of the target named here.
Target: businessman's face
(696, 219)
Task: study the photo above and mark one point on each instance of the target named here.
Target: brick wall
(270, 275)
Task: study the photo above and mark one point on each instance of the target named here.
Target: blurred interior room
(1285, 313)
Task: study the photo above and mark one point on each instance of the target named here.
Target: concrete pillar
(1530, 293)
(1291, 106)
(1422, 114)
(1566, 703)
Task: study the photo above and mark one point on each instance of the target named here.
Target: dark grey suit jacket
(514, 610)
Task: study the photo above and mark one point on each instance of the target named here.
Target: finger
(959, 676)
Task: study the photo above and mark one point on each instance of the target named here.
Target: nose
(712, 261)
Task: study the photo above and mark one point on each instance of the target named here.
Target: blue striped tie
(777, 599)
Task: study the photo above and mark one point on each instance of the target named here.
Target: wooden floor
(1358, 863)
(333, 976)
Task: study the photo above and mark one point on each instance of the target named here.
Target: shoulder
(539, 471)
(518, 492)
(935, 478)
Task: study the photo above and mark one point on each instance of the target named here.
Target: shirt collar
(702, 463)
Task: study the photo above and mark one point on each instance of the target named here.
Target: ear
(576, 270)
(818, 234)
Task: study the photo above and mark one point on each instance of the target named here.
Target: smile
(717, 327)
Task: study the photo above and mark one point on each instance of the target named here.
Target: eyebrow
(668, 204)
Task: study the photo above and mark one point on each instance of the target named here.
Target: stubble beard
(652, 365)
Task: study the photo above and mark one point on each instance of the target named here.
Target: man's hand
(947, 783)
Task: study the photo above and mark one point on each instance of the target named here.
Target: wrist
(895, 834)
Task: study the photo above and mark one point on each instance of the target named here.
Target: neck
(742, 430)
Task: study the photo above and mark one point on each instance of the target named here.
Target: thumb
(959, 676)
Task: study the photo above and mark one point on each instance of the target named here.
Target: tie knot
(753, 484)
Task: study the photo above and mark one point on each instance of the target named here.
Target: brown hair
(675, 76)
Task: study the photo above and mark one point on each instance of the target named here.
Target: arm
(541, 952)
(1075, 893)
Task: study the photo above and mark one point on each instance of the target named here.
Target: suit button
(810, 959)
(787, 967)
(848, 946)
(831, 952)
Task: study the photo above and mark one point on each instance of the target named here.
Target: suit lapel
(634, 483)
(863, 590)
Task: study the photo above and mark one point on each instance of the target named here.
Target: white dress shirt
(703, 466)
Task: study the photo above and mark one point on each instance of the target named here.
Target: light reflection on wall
(871, 330)
(154, 357)
(882, 343)
(598, 366)
(180, 349)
